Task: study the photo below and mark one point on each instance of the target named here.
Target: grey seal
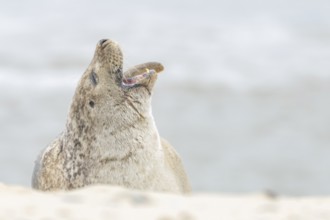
(110, 135)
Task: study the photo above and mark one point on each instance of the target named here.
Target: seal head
(104, 87)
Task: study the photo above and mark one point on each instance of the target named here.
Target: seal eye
(94, 78)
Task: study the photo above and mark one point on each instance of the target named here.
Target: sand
(109, 202)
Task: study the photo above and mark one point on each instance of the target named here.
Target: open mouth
(141, 74)
(134, 80)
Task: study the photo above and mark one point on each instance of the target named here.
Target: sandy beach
(108, 202)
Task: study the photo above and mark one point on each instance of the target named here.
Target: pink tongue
(136, 79)
(129, 81)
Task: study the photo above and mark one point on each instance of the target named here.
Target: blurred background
(244, 97)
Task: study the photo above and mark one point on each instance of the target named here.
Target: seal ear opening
(91, 103)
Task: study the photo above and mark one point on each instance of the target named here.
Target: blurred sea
(244, 97)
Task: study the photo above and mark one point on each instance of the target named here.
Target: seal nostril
(102, 41)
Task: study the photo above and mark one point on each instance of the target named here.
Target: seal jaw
(141, 75)
(135, 80)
